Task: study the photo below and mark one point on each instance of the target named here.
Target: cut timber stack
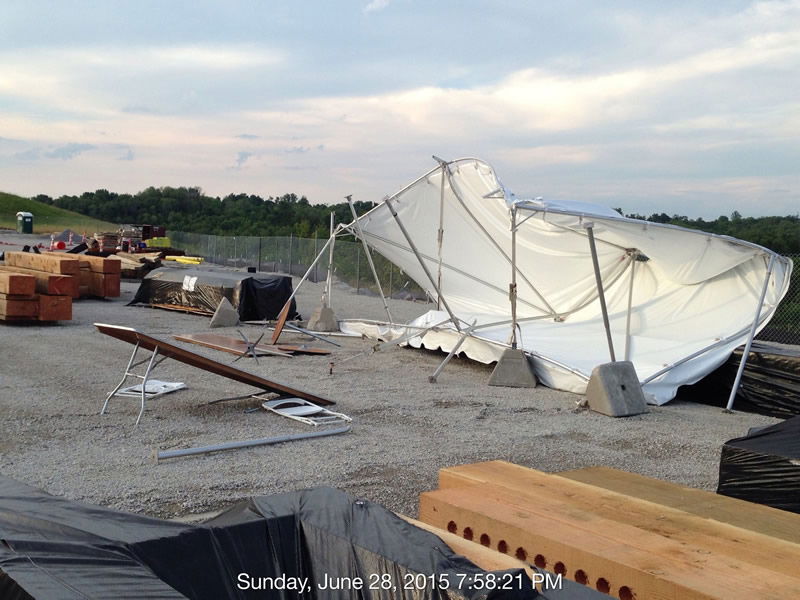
(636, 538)
(97, 276)
(18, 302)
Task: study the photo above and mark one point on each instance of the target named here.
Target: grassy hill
(46, 218)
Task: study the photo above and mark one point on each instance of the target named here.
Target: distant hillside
(46, 218)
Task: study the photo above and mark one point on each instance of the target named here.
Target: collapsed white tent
(679, 300)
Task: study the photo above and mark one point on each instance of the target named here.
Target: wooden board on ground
(48, 283)
(282, 316)
(131, 336)
(55, 308)
(747, 515)
(42, 262)
(532, 487)
(627, 562)
(237, 346)
(19, 306)
(16, 284)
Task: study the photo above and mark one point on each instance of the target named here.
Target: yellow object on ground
(187, 260)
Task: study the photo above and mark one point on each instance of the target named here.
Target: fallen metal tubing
(160, 455)
(311, 333)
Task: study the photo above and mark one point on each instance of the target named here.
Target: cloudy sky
(679, 107)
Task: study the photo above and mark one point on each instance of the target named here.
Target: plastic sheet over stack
(764, 466)
(679, 300)
(254, 296)
(265, 547)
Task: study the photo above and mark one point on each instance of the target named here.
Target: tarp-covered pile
(255, 296)
(266, 547)
(764, 466)
(679, 300)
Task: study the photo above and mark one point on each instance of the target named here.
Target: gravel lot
(54, 378)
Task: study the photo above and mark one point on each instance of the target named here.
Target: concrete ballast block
(514, 369)
(614, 390)
(225, 315)
(323, 319)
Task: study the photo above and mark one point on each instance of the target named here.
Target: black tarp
(52, 548)
(764, 466)
(256, 296)
(770, 383)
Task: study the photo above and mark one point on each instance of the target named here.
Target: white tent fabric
(679, 300)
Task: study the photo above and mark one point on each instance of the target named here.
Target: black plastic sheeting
(256, 297)
(764, 466)
(770, 383)
(52, 548)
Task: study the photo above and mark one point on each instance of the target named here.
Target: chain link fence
(293, 255)
(784, 327)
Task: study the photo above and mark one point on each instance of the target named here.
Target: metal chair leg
(144, 385)
(124, 378)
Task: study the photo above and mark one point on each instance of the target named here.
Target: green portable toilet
(24, 222)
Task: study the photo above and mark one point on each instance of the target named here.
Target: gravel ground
(53, 380)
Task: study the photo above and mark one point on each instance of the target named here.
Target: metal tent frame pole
(413, 247)
(494, 242)
(589, 226)
(512, 287)
(326, 296)
(308, 271)
(440, 233)
(634, 256)
(360, 235)
(752, 334)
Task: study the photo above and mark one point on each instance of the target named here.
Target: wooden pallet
(623, 545)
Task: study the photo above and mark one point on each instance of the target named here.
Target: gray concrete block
(323, 319)
(225, 315)
(614, 390)
(514, 369)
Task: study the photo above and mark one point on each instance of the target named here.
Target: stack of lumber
(137, 265)
(625, 535)
(108, 240)
(54, 279)
(20, 302)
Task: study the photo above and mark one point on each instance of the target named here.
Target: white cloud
(376, 5)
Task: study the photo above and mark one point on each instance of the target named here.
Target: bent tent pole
(464, 335)
(752, 334)
(360, 235)
(600, 294)
(413, 247)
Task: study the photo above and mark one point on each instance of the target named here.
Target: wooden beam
(16, 284)
(569, 540)
(97, 264)
(48, 283)
(16, 306)
(42, 262)
(747, 515)
(529, 487)
(55, 308)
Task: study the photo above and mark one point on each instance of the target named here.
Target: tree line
(188, 209)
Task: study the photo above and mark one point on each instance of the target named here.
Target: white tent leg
(329, 280)
(308, 272)
(413, 247)
(750, 337)
(360, 235)
(512, 287)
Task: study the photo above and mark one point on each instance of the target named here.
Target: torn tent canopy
(679, 300)
(255, 297)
